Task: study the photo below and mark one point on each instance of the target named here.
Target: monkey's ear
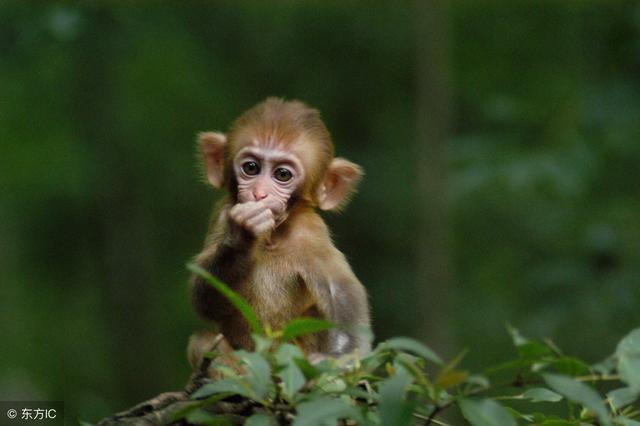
(213, 146)
(339, 183)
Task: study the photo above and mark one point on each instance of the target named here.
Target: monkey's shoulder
(304, 237)
(314, 231)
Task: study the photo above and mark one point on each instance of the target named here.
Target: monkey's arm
(341, 299)
(231, 264)
(228, 257)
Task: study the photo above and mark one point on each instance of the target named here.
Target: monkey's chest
(276, 296)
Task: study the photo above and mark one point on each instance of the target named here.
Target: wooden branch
(162, 409)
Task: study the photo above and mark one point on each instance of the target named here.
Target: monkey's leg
(200, 344)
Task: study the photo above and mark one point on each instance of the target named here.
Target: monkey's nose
(259, 196)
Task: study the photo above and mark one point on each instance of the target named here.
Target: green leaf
(512, 365)
(325, 410)
(579, 392)
(292, 380)
(451, 378)
(230, 386)
(530, 350)
(394, 409)
(292, 377)
(478, 380)
(236, 300)
(623, 397)
(517, 338)
(518, 415)
(83, 423)
(309, 371)
(201, 417)
(287, 353)
(381, 355)
(534, 351)
(628, 354)
(625, 421)
(414, 366)
(258, 373)
(184, 411)
(372, 417)
(301, 326)
(485, 412)
(260, 420)
(224, 370)
(571, 366)
(541, 395)
(541, 419)
(330, 383)
(362, 394)
(607, 366)
(559, 422)
(415, 347)
(263, 343)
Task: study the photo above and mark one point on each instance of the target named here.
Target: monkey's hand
(254, 217)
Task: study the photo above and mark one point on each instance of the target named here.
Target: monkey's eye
(282, 174)
(251, 168)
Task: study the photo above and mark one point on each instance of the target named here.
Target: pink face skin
(268, 175)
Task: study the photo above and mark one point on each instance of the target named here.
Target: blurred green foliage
(101, 204)
(394, 384)
(391, 386)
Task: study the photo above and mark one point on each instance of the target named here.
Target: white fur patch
(341, 342)
(332, 290)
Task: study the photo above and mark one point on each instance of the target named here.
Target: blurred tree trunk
(432, 124)
(123, 242)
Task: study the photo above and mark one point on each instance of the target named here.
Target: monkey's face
(280, 154)
(267, 174)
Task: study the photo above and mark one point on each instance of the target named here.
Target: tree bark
(163, 409)
(432, 127)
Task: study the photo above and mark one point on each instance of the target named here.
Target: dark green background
(535, 182)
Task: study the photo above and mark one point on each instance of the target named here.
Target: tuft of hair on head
(286, 124)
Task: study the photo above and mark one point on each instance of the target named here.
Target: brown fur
(297, 271)
(290, 125)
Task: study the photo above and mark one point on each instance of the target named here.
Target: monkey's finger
(275, 205)
(236, 211)
(241, 212)
(257, 220)
(264, 228)
(255, 209)
(263, 220)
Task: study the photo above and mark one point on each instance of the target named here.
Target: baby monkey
(266, 240)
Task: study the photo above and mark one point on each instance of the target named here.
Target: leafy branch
(402, 381)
